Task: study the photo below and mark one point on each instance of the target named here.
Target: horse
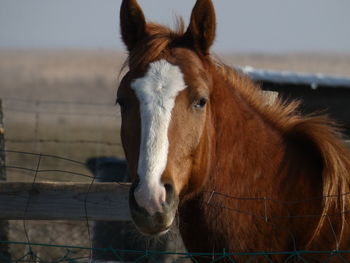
(202, 144)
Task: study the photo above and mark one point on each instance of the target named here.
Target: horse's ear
(201, 31)
(132, 23)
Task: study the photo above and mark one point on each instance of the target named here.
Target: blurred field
(64, 96)
(63, 103)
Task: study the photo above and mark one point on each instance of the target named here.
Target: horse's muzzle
(158, 223)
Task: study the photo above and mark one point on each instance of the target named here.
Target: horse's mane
(318, 130)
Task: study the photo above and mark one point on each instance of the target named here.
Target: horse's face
(165, 106)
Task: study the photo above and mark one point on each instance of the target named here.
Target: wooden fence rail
(64, 201)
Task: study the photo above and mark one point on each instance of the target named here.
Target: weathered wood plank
(64, 201)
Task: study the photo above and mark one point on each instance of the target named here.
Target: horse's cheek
(200, 169)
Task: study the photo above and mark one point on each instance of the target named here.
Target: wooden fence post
(4, 224)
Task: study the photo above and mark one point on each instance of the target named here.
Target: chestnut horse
(202, 143)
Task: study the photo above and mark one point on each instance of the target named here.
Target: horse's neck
(248, 149)
(250, 159)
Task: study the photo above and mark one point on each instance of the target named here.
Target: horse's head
(165, 106)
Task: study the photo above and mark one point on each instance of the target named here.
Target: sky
(255, 26)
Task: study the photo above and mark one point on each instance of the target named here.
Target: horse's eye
(200, 103)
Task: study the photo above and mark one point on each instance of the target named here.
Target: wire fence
(77, 130)
(66, 241)
(73, 254)
(51, 247)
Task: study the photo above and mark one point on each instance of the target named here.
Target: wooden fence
(64, 201)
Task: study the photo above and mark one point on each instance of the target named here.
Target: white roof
(293, 78)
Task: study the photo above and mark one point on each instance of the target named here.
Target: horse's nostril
(169, 189)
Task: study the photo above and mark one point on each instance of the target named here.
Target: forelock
(156, 45)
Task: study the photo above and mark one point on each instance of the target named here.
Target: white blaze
(156, 92)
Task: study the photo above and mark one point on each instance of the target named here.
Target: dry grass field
(62, 103)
